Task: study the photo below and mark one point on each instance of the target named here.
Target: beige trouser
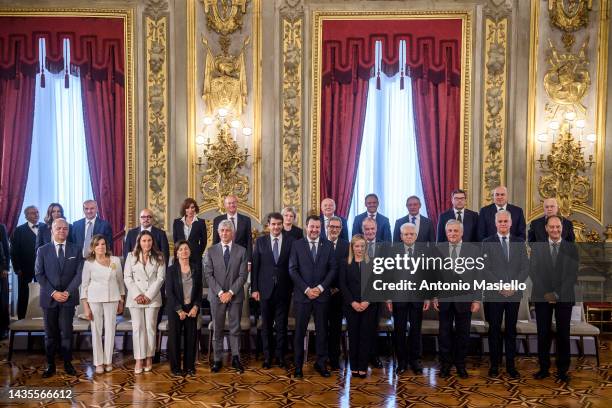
(104, 320)
(144, 328)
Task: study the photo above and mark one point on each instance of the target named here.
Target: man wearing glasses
(160, 240)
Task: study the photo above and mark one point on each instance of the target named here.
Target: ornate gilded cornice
(156, 124)
(291, 103)
(495, 99)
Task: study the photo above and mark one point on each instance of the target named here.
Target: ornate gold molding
(291, 105)
(318, 16)
(494, 106)
(156, 91)
(127, 15)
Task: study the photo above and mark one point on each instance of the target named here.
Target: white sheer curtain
(388, 163)
(58, 163)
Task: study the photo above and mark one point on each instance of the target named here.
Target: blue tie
(313, 250)
(505, 248)
(60, 255)
(226, 255)
(275, 250)
(413, 220)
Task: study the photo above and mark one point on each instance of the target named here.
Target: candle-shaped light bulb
(222, 112)
(200, 139)
(208, 121)
(235, 124)
(570, 116)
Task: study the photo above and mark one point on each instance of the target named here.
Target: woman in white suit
(144, 273)
(103, 295)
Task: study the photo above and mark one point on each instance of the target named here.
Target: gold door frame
(319, 16)
(127, 15)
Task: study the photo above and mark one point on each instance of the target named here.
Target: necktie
(371, 249)
(60, 255)
(459, 218)
(504, 244)
(500, 208)
(453, 253)
(409, 252)
(555, 252)
(275, 250)
(313, 249)
(35, 229)
(413, 220)
(88, 234)
(233, 222)
(226, 255)
(371, 216)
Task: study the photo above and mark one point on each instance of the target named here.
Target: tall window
(388, 162)
(58, 164)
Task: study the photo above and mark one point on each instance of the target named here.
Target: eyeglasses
(146, 216)
(334, 226)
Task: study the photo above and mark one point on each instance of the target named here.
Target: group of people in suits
(317, 270)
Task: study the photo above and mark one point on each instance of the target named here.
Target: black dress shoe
(178, 373)
(562, 376)
(298, 372)
(541, 374)
(69, 369)
(281, 362)
(190, 372)
(322, 370)
(49, 371)
(462, 373)
(513, 373)
(216, 367)
(266, 364)
(237, 365)
(363, 375)
(445, 372)
(493, 372)
(376, 363)
(400, 369)
(416, 367)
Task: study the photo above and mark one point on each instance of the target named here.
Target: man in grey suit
(225, 269)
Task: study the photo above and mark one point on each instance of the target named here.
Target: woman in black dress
(289, 227)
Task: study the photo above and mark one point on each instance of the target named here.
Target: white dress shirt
(34, 230)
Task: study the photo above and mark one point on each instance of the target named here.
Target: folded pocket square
(72, 257)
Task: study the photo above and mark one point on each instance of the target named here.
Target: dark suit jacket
(417, 276)
(537, 230)
(23, 250)
(53, 276)
(462, 299)
(174, 288)
(426, 230)
(100, 227)
(267, 274)
(470, 225)
(296, 232)
(343, 233)
(159, 239)
(308, 273)
(242, 236)
(486, 221)
(4, 249)
(341, 253)
(559, 278)
(350, 281)
(197, 238)
(383, 227)
(499, 267)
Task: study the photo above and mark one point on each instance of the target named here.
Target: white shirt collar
(503, 207)
(280, 238)
(459, 209)
(417, 217)
(500, 236)
(93, 220)
(146, 229)
(371, 215)
(31, 225)
(550, 241)
(316, 241)
(229, 244)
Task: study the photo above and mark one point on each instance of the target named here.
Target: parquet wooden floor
(590, 386)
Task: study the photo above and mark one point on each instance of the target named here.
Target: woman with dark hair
(183, 302)
(54, 211)
(102, 294)
(289, 216)
(192, 229)
(361, 315)
(144, 273)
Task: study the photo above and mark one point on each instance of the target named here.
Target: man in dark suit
(312, 267)
(242, 225)
(486, 216)
(410, 309)
(383, 227)
(85, 228)
(424, 226)
(225, 269)
(460, 213)
(328, 209)
(146, 224)
(23, 255)
(505, 259)
(456, 307)
(271, 285)
(537, 228)
(4, 286)
(553, 270)
(58, 270)
(335, 314)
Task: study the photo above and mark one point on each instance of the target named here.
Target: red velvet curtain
(433, 62)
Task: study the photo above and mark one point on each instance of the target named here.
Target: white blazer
(102, 283)
(143, 279)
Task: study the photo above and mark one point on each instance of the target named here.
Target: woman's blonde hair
(357, 237)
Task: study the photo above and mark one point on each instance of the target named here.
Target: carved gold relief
(495, 90)
(567, 80)
(156, 30)
(292, 25)
(569, 16)
(224, 16)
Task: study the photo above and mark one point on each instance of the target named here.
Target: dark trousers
(274, 312)
(303, 311)
(454, 343)
(361, 326)
(58, 332)
(403, 313)
(23, 294)
(497, 312)
(187, 331)
(563, 315)
(4, 304)
(334, 327)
